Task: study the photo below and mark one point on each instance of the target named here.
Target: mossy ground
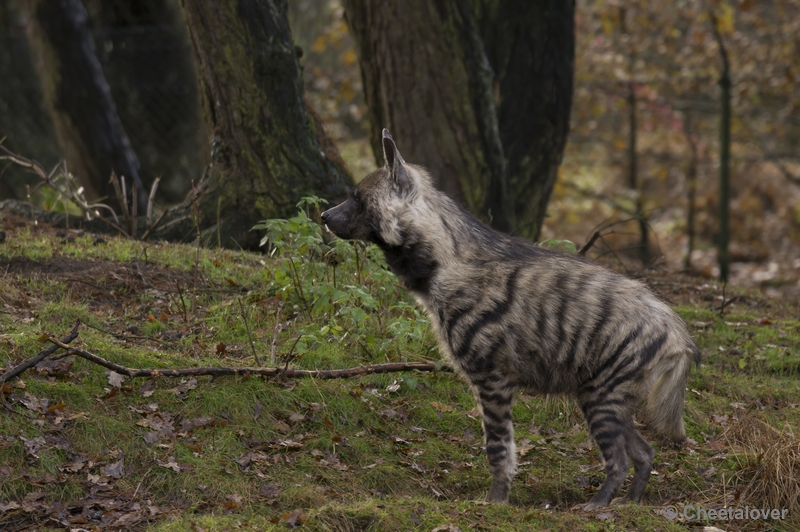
(385, 452)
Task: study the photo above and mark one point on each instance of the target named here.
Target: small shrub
(344, 289)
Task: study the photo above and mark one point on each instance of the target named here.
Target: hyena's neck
(415, 264)
(440, 235)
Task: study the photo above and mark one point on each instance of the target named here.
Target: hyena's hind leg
(494, 394)
(641, 454)
(610, 423)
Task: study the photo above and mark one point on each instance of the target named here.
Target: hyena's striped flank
(512, 315)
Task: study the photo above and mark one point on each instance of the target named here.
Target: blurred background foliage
(659, 59)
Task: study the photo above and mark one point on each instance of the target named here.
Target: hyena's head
(378, 208)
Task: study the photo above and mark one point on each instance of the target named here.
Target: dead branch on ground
(371, 369)
(18, 370)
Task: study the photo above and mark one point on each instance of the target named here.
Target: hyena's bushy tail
(663, 406)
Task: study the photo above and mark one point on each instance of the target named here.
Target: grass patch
(381, 452)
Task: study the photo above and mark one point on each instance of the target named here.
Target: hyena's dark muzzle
(342, 219)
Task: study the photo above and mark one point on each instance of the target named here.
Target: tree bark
(633, 157)
(477, 92)
(531, 48)
(78, 99)
(723, 256)
(268, 150)
(691, 188)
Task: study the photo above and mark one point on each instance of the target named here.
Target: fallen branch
(62, 344)
(265, 372)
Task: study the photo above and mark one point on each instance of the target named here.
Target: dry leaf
(115, 470)
(170, 464)
(441, 407)
(449, 527)
(115, 379)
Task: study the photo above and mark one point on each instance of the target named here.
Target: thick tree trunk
(78, 98)
(531, 48)
(267, 149)
(478, 92)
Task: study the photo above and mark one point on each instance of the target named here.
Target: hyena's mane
(431, 230)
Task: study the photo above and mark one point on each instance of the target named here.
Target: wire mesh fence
(151, 75)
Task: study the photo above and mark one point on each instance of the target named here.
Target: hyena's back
(557, 324)
(553, 323)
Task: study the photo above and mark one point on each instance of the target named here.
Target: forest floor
(82, 448)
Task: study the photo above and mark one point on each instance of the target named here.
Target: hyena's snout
(339, 219)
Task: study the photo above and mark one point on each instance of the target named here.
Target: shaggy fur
(511, 315)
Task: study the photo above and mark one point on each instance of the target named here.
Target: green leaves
(559, 245)
(344, 289)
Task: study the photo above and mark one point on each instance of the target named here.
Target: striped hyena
(510, 315)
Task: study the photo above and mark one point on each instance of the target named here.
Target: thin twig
(589, 243)
(299, 286)
(288, 357)
(134, 209)
(247, 327)
(42, 354)
(154, 226)
(130, 336)
(726, 302)
(183, 302)
(197, 247)
(122, 198)
(150, 201)
(276, 332)
(371, 369)
(74, 192)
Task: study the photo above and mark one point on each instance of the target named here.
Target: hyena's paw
(497, 495)
(589, 506)
(619, 501)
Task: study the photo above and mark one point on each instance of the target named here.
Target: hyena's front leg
(494, 394)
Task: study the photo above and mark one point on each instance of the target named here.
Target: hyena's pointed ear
(394, 162)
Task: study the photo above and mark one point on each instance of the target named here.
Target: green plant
(558, 245)
(344, 289)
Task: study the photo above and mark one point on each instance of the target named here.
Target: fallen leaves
(114, 470)
(270, 491)
(440, 407)
(33, 445)
(89, 513)
(115, 380)
(184, 386)
(292, 519)
(170, 463)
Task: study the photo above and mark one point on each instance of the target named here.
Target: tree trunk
(723, 242)
(78, 99)
(531, 48)
(477, 92)
(691, 188)
(633, 158)
(267, 145)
